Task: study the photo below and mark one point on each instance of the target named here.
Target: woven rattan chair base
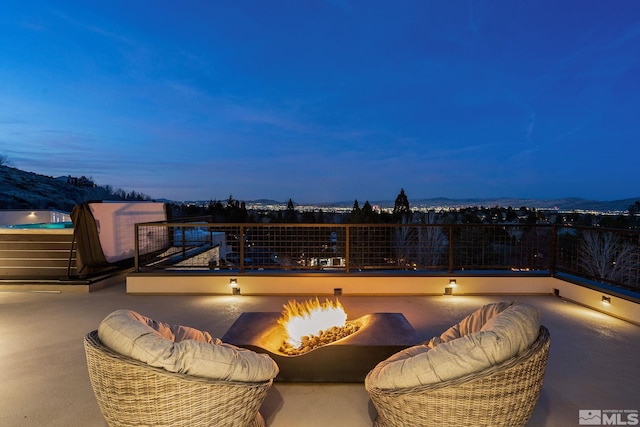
(131, 393)
(503, 395)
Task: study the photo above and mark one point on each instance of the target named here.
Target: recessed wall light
(235, 289)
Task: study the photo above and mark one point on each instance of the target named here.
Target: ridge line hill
(28, 190)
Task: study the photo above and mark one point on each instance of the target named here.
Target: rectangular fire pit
(347, 360)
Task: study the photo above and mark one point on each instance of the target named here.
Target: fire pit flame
(309, 318)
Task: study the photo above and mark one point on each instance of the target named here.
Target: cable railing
(610, 256)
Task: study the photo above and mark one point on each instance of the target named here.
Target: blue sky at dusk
(323, 101)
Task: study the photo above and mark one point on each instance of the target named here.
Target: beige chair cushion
(485, 338)
(182, 349)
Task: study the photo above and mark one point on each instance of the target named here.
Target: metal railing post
(136, 249)
(553, 251)
(184, 243)
(241, 249)
(450, 249)
(346, 246)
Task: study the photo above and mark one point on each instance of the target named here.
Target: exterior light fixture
(235, 289)
(606, 299)
(449, 289)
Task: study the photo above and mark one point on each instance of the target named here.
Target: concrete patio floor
(593, 361)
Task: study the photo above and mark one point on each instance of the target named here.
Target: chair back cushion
(182, 349)
(485, 338)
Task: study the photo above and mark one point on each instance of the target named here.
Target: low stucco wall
(318, 284)
(592, 298)
(355, 284)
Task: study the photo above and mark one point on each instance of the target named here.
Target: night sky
(324, 101)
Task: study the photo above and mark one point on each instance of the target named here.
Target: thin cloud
(95, 29)
(531, 126)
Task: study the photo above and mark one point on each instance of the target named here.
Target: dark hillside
(28, 190)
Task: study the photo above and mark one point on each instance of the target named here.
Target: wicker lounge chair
(131, 393)
(503, 395)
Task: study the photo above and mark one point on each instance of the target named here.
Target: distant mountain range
(28, 190)
(566, 204)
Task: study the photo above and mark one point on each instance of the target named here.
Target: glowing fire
(310, 317)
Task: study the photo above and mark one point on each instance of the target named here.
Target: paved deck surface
(593, 362)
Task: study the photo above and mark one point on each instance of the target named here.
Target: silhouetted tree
(290, 213)
(233, 211)
(216, 210)
(618, 221)
(531, 218)
(634, 211)
(190, 210)
(512, 216)
(308, 218)
(355, 217)
(401, 209)
(607, 256)
(368, 216)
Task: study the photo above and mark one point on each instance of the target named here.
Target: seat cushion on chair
(182, 349)
(486, 338)
(474, 322)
